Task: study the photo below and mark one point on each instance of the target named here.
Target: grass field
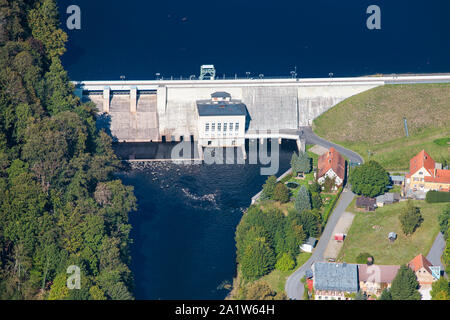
(370, 230)
(376, 123)
(277, 279)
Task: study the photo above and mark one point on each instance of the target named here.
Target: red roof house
(331, 164)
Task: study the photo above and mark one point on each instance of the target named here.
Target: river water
(183, 233)
(184, 230)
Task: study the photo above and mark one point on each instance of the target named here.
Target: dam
(167, 110)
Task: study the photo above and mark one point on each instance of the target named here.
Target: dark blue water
(139, 38)
(183, 233)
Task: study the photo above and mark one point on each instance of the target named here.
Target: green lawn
(363, 237)
(277, 279)
(376, 123)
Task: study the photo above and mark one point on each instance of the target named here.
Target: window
(236, 127)
(219, 127)
(231, 127)
(213, 127)
(224, 127)
(207, 127)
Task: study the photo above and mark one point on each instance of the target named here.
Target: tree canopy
(370, 179)
(410, 218)
(405, 285)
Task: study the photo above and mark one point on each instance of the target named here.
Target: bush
(281, 193)
(328, 211)
(436, 196)
(410, 218)
(303, 200)
(269, 188)
(285, 263)
(362, 258)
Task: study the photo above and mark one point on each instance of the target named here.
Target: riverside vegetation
(60, 204)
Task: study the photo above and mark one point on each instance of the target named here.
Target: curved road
(294, 288)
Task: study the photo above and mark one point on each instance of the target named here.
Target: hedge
(327, 213)
(436, 196)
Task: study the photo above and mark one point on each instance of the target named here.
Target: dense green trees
(281, 193)
(303, 200)
(405, 285)
(370, 179)
(443, 219)
(269, 187)
(410, 218)
(440, 290)
(59, 203)
(300, 163)
(285, 262)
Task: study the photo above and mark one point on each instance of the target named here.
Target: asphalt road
(294, 288)
(311, 138)
(436, 251)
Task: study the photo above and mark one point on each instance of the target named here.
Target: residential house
(366, 203)
(387, 198)
(426, 274)
(374, 279)
(334, 281)
(425, 175)
(332, 165)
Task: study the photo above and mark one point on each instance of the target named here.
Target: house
(374, 279)
(332, 165)
(425, 174)
(425, 272)
(366, 203)
(221, 121)
(334, 281)
(387, 198)
(309, 245)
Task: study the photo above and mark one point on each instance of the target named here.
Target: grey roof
(388, 197)
(221, 109)
(398, 178)
(311, 241)
(336, 277)
(221, 94)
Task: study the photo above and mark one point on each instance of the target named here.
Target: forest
(60, 204)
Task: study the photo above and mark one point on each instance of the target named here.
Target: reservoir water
(184, 230)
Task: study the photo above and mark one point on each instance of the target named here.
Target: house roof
(398, 178)
(221, 109)
(388, 197)
(332, 160)
(377, 273)
(221, 94)
(336, 277)
(421, 160)
(439, 176)
(365, 201)
(311, 241)
(420, 262)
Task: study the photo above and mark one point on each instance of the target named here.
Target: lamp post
(248, 74)
(157, 75)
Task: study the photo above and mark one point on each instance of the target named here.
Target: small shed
(392, 236)
(387, 198)
(398, 180)
(369, 204)
(309, 245)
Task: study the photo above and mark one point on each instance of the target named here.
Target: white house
(332, 165)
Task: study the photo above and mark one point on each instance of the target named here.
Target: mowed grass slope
(373, 120)
(369, 233)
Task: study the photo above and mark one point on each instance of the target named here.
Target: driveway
(311, 138)
(436, 251)
(294, 288)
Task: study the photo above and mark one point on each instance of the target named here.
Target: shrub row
(436, 196)
(328, 211)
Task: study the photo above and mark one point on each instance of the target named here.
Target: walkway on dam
(294, 288)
